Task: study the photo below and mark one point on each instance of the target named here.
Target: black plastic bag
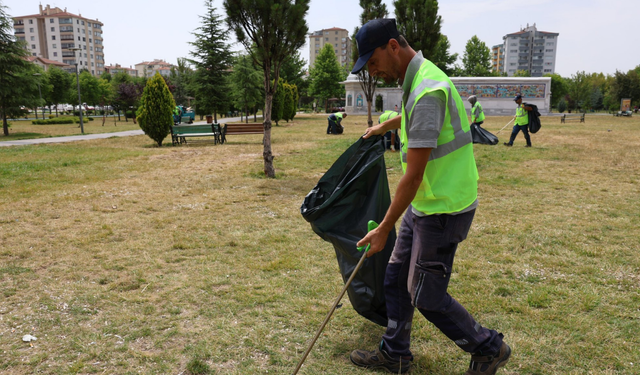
(534, 118)
(353, 191)
(482, 136)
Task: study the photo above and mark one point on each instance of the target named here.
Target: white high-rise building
(531, 50)
(53, 33)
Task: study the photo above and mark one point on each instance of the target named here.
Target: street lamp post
(39, 91)
(79, 97)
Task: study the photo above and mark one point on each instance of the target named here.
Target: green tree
(287, 112)
(476, 60)
(441, 57)
(182, 79)
(419, 22)
(296, 99)
(597, 99)
(278, 103)
(61, 83)
(522, 73)
(18, 85)
(156, 108)
(326, 75)
(625, 85)
(558, 89)
(247, 84)
(271, 31)
(579, 91)
(90, 88)
(212, 58)
(562, 105)
(372, 9)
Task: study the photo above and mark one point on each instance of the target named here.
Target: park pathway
(73, 138)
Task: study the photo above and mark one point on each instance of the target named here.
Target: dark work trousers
(418, 276)
(525, 130)
(332, 127)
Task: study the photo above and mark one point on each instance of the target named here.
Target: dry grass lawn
(125, 258)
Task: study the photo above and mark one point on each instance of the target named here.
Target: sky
(596, 36)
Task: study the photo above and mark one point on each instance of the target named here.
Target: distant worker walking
(392, 141)
(521, 122)
(335, 126)
(477, 114)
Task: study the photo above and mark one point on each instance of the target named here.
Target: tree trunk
(369, 119)
(5, 126)
(269, 171)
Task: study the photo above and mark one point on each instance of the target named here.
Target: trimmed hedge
(61, 120)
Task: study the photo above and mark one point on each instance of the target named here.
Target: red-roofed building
(46, 63)
(54, 32)
(149, 68)
(339, 40)
(115, 69)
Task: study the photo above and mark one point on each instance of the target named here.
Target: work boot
(527, 146)
(489, 364)
(379, 358)
(508, 144)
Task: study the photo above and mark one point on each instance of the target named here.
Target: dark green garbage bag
(352, 192)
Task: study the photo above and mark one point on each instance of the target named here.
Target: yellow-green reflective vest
(450, 182)
(388, 114)
(338, 116)
(522, 115)
(477, 114)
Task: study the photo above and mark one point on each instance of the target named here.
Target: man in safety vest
(391, 135)
(439, 192)
(521, 122)
(477, 114)
(177, 115)
(335, 126)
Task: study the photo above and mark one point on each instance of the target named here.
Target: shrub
(562, 105)
(129, 114)
(156, 108)
(379, 103)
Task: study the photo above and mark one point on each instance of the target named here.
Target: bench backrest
(191, 129)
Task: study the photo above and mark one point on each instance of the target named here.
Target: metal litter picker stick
(505, 126)
(372, 225)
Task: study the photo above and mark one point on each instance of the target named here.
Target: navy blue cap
(517, 97)
(375, 33)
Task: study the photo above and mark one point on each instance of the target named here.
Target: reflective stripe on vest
(450, 181)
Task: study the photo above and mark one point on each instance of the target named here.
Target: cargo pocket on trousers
(430, 289)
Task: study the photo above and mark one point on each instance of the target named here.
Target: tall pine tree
(212, 59)
(156, 107)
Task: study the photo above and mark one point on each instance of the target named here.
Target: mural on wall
(359, 101)
(502, 91)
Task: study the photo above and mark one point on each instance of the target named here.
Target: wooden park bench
(239, 129)
(572, 117)
(179, 133)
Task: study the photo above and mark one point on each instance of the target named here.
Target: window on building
(326, 39)
(89, 40)
(33, 46)
(55, 54)
(547, 70)
(326, 33)
(50, 20)
(54, 45)
(53, 37)
(30, 22)
(548, 50)
(78, 39)
(85, 48)
(316, 52)
(78, 22)
(82, 23)
(317, 45)
(550, 44)
(31, 29)
(84, 39)
(514, 51)
(512, 64)
(83, 31)
(34, 54)
(53, 29)
(33, 38)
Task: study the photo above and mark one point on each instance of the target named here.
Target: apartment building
(339, 40)
(53, 34)
(497, 58)
(115, 69)
(149, 68)
(531, 50)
